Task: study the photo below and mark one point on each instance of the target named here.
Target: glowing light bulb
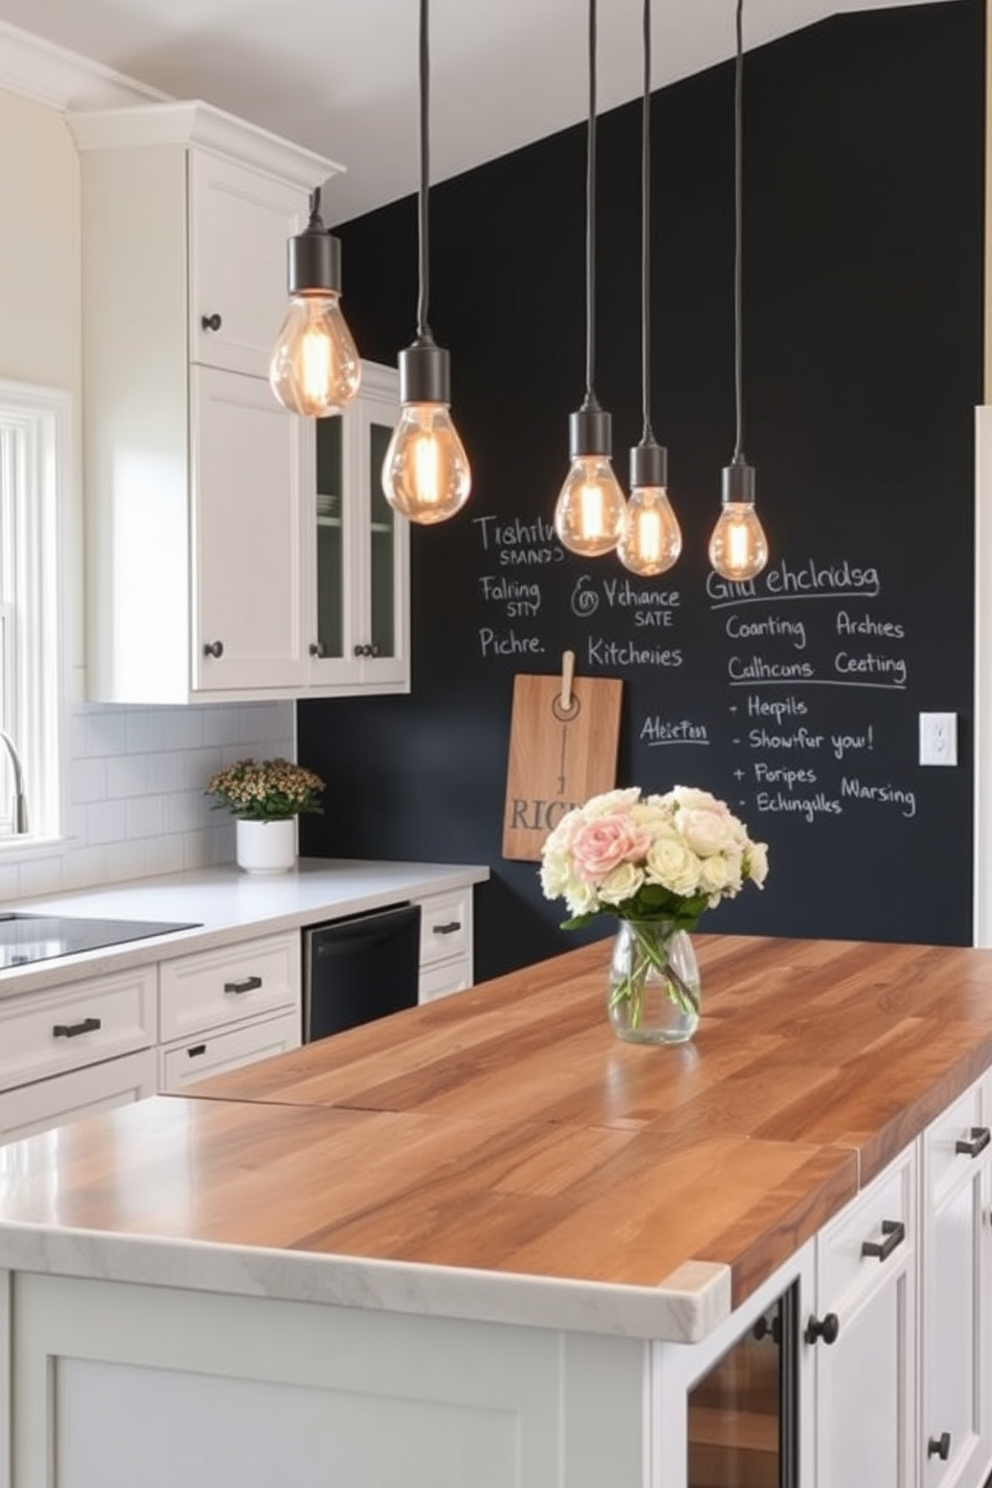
(315, 368)
(425, 473)
(738, 546)
(590, 507)
(651, 539)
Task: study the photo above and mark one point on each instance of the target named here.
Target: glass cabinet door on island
(361, 608)
(743, 1413)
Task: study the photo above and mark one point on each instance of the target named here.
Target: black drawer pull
(827, 1328)
(449, 928)
(211, 322)
(895, 1233)
(214, 649)
(196, 1050)
(971, 1147)
(72, 1030)
(250, 984)
(940, 1446)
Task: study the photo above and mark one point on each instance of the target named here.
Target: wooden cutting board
(558, 756)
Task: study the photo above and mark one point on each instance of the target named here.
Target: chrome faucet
(20, 811)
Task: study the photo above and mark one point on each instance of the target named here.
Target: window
(33, 440)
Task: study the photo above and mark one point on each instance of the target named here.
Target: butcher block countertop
(500, 1155)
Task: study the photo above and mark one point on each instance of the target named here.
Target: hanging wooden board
(559, 755)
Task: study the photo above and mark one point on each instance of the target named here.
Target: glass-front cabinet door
(361, 609)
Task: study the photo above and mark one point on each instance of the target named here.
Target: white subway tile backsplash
(88, 780)
(135, 798)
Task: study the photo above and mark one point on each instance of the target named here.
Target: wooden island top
(501, 1155)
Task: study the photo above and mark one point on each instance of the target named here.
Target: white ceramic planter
(266, 847)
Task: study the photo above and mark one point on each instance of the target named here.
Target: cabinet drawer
(944, 1165)
(187, 1064)
(446, 926)
(440, 981)
(83, 1092)
(208, 990)
(845, 1271)
(47, 1033)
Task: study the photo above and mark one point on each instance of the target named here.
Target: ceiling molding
(45, 73)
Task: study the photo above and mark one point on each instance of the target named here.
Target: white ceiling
(340, 76)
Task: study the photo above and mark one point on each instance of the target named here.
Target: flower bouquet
(266, 790)
(656, 863)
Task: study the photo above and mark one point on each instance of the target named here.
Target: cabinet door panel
(864, 1390)
(246, 518)
(240, 222)
(84, 1092)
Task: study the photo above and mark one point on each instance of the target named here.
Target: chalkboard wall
(796, 696)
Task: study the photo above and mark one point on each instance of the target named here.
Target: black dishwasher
(359, 969)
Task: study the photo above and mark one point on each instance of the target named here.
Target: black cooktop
(25, 938)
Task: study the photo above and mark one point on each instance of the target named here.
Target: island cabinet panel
(124, 1385)
(955, 1425)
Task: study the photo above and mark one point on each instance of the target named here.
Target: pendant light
(425, 473)
(738, 547)
(651, 540)
(315, 368)
(590, 506)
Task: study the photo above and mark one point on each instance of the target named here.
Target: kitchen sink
(26, 938)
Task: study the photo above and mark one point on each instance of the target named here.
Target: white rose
(704, 831)
(610, 801)
(689, 799)
(715, 875)
(757, 863)
(623, 883)
(670, 863)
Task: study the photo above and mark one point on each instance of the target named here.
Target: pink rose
(601, 845)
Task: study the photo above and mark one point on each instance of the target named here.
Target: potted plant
(266, 797)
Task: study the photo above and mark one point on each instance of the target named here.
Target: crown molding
(50, 74)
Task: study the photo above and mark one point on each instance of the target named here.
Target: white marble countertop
(227, 906)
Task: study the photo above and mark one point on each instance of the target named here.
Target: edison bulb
(651, 539)
(315, 368)
(425, 473)
(738, 546)
(590, 508)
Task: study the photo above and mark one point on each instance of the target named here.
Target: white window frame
(35, 451)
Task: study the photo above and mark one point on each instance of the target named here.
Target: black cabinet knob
(211, 322)
(213, 648)
(316, 648)
(940, 1446)
(827, 1328)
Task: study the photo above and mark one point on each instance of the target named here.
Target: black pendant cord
(647, 436)
(591, 401)
(423, 292)
(738, 195)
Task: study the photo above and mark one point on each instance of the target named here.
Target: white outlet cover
(938, 738)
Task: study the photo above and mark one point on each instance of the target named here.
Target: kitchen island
(484, 1241)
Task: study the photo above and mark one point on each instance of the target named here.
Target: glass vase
(653, 993)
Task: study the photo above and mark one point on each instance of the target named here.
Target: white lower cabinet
(863, 1335)
(446, 951)
(83, 1092)
(955, 1426)
(127, 1386)
(182, 1065)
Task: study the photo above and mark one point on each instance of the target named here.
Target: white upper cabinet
(196, 479)
(360, 564)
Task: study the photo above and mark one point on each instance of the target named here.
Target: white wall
(135, 776)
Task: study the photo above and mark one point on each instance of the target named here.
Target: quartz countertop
(501, 1155)
(228, 905)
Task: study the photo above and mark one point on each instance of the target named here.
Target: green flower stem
(649, 951)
